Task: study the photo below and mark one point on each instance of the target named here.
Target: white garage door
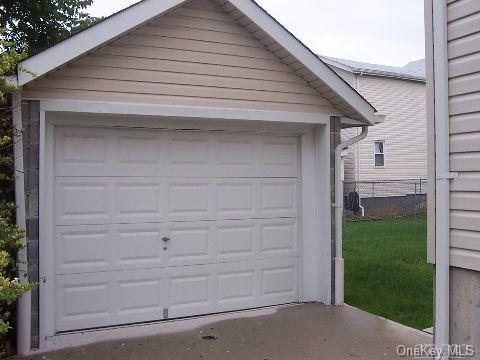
(156, 224)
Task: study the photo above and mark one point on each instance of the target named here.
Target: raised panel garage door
(155, 224)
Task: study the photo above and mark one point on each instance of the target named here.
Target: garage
(163, 224)
(178, 160)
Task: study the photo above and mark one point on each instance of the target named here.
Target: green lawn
(386, 272)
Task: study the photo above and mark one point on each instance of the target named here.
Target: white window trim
(384, 154)
(315, 218)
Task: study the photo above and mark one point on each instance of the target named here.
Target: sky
(387, 32)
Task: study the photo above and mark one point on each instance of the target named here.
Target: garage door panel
(93, 248)
(190, 243)
(236, 198)
(82, 148)
(137, 200)
(80, 249)
(233, 286)
(278, 198)
(127, 152)
(190, 199)
(91, 200)
(137, 149)
(109, 298)
(151, 223)
(279, 237)
(188, 150)
(236, 239)
(123, 297)
(83, 201)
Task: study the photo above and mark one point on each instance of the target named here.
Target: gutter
(339, 262)
(24, 302)
(361, 71)
(389, 74)
(442, 180)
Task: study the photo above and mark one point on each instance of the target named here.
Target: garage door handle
(165, 243)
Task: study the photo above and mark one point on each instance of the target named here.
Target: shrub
(10, 235)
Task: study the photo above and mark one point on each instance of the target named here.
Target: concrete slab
(307, 331)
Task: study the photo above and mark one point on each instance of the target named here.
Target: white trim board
(78, 106)
(138, 14)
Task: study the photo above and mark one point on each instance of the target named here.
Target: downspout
(442, 179)
(339, 263)
(357, 147)
(24, 302)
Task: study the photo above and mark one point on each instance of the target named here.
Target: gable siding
(463, 31)
(196, 55)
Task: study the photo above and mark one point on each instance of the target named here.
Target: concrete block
(465, 308)
(32, 228)
(33, 272)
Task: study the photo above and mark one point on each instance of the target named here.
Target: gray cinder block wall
(335, 139)
(31, 150)
(465, 308)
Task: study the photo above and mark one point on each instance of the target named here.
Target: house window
(379, 153)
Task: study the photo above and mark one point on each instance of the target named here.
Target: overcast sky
(388, 32)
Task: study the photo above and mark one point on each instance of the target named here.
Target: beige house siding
(464, 101)
(404, 131)
(196, 55)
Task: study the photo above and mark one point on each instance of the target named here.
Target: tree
(27, 26)
(33, 25)
(10, 234)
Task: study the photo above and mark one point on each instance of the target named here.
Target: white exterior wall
(404, 131)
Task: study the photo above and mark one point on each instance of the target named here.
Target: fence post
(415, 210)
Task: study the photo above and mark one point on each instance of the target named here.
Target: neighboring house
(395, 149)
(178, 159)
(453, 87)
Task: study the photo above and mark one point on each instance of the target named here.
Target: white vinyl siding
(404, 131)
(464, 102)
(195, 55)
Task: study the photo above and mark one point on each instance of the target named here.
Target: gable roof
(414, 70)
(247, 13)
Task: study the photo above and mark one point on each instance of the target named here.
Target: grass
(386, 272)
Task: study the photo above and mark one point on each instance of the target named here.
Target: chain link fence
(394, 205)
(384, 199)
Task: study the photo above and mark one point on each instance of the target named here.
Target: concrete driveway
(307, 331)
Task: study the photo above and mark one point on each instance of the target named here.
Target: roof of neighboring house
(414, 70)
(262, 25)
